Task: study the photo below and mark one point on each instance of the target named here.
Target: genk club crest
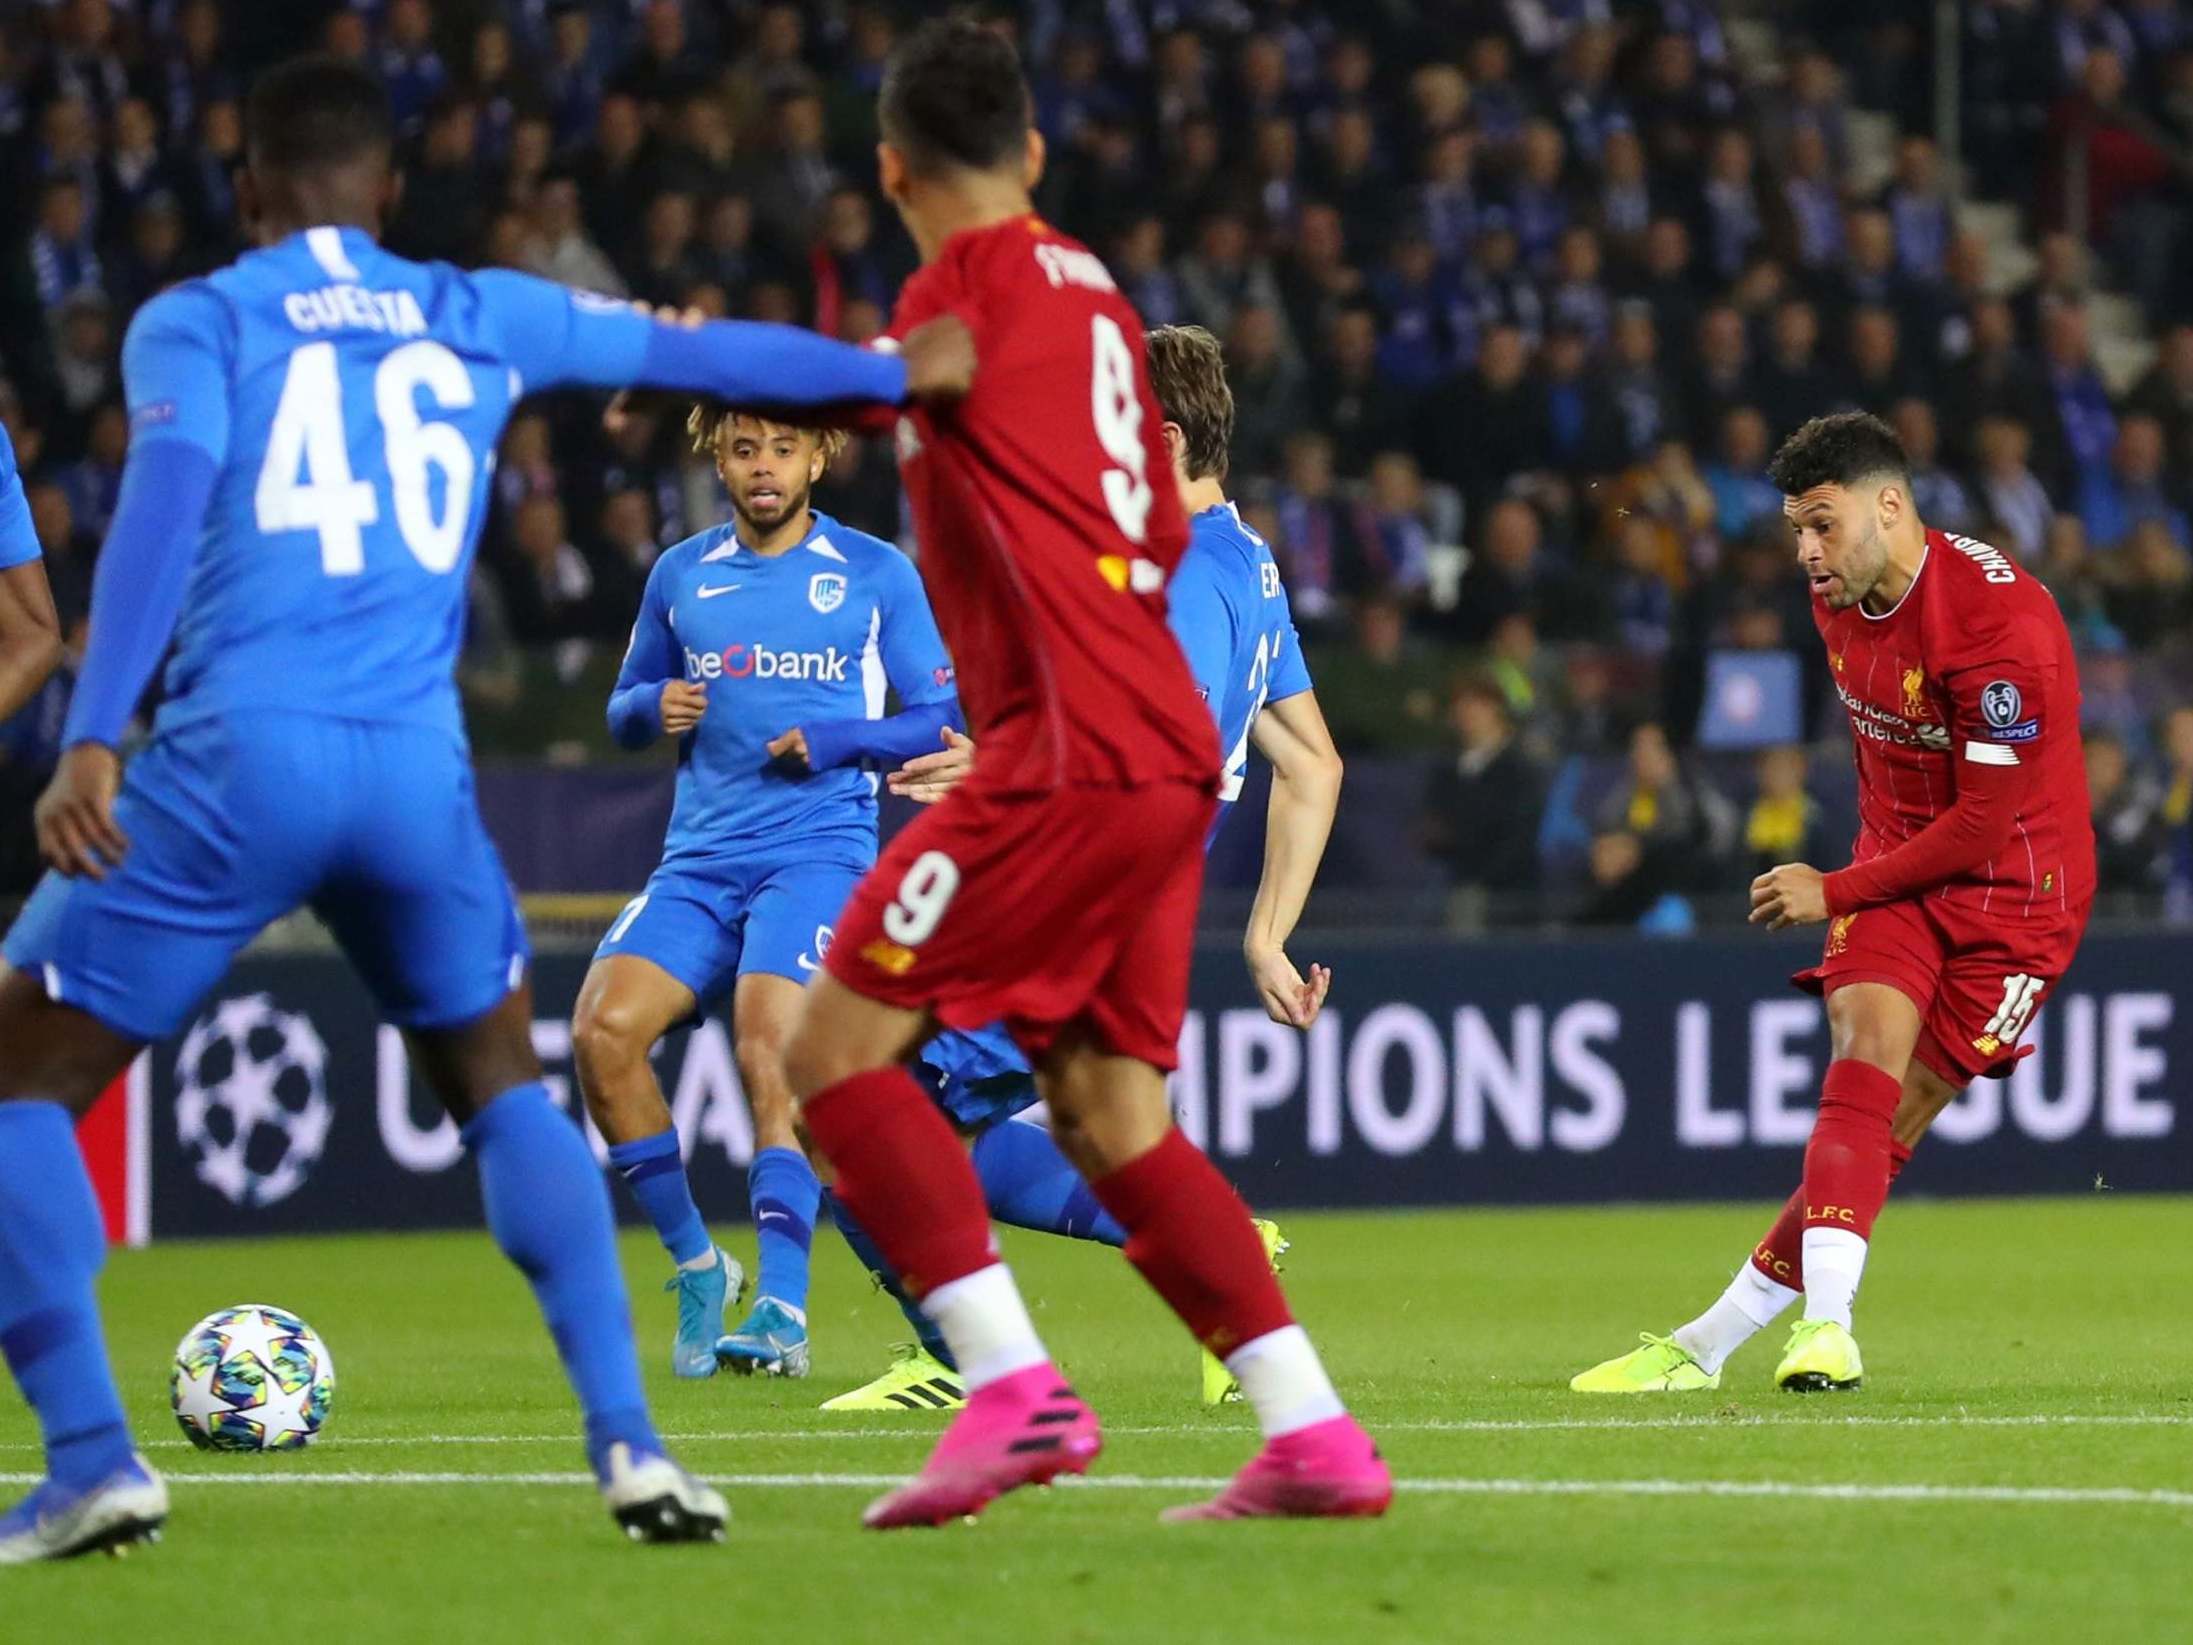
(826, 591)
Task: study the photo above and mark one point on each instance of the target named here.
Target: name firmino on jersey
(334, 308)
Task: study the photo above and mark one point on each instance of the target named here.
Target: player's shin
(52, 1244)
(870, 1256)
(1191, 1237)
(785, 1193)
(653, 1168)
(909, 1181)
(1847, 1170)
(1029, 1183)
(549, 1211)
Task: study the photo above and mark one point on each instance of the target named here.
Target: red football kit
(1059, 883)
(1973, 872)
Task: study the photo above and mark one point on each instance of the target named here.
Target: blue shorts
(709, 925)
(234, 822)
(978, 1079)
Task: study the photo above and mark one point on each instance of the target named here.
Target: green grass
(1453, 1334)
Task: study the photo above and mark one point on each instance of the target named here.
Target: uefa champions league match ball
(252, 1378)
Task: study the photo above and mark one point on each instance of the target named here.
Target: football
(252, 1378)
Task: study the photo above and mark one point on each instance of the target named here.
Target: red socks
(1846, 1162)
(1190, 1236)
(1780, 1256)
(906, 1176)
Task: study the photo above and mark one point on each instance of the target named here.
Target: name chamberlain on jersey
(2000, 703)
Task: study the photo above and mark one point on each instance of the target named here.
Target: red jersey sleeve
(2001, 711)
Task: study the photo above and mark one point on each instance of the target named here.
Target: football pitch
(2019, 1467)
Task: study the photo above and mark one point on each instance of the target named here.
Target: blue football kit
(313, 430)
(18, 540)
(1228, 609)
(758, 859)
(337, 409)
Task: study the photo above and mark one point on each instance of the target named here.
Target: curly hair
(705, 424)
(1839, 449)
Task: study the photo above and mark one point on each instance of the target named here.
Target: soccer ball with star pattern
(252, 1378)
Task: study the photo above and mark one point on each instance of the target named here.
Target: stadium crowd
(1517, 298)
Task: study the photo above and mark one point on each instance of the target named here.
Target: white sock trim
(1835, 1261)
(986, 1323)
(1282, 1377)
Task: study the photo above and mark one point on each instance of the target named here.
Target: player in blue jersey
(30, 633)
(313, 428)
(766, 646)
(1228, 608)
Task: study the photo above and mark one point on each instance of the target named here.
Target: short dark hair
(1188, 376)
(1839, 449)
(316, 113)
(953, 95)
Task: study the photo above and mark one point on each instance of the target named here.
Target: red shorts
(1976, 984)
(1040, 911)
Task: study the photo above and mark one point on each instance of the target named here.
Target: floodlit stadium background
(1516, 297)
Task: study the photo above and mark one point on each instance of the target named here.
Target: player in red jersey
(1966, 894)
(1056, 889)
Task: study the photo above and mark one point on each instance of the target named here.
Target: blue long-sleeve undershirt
(137, 592)
(892, 740)
(635, 714)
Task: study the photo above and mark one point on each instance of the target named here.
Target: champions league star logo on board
(251, 1103)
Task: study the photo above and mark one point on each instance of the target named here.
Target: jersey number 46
(306, 483)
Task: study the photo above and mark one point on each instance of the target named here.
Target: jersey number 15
(306, 483)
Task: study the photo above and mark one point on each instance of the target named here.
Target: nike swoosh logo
(708, 591)
(807, 964)
(766, 1216)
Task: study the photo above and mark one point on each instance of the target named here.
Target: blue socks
(548, 1209)
(654, 1169)
(1029, 1184)
(52, 1244)
(786, 1194)
(872, 1258)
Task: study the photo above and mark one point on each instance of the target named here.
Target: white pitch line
(2012, 1495)
(916, 1428)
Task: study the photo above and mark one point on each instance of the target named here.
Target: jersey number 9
(1118, 412)
(306, 483)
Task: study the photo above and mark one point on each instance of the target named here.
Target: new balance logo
(708, 591)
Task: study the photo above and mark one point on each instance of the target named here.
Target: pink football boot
(1024, 1430)
(1329, 1471)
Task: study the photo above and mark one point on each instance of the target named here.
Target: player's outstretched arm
(927, 778)
(556, 337)
(1306, 771)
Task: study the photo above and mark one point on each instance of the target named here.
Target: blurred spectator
(443, 210)
(550, 589)
(1362, 410)
(2081, 398)
(1681, 821)
(1644, 604)
(1722, 374)
(1631, 884)
(664, 266)
(1223, 272)
(409, 65)
(558, 247)
(94, 481)
(2165, 393)
(1877, 375)
(2131, 491)
(2150, 587)
(1487, 427)
(1315, 543)
(155, 257)
(1795, 383)
(2128, 824)
(1784, 823)
(1511, 575)
(574, 77)
(1737, 477)
(1140, 268)
(2009, 493)
(63, 258)
(795, 180)
(1812, 194)
(1384, 687)
(1271, 394)
(68, 548)
(1482, 805)
(2176, 810)
(1938, 494)
(1917, 203)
